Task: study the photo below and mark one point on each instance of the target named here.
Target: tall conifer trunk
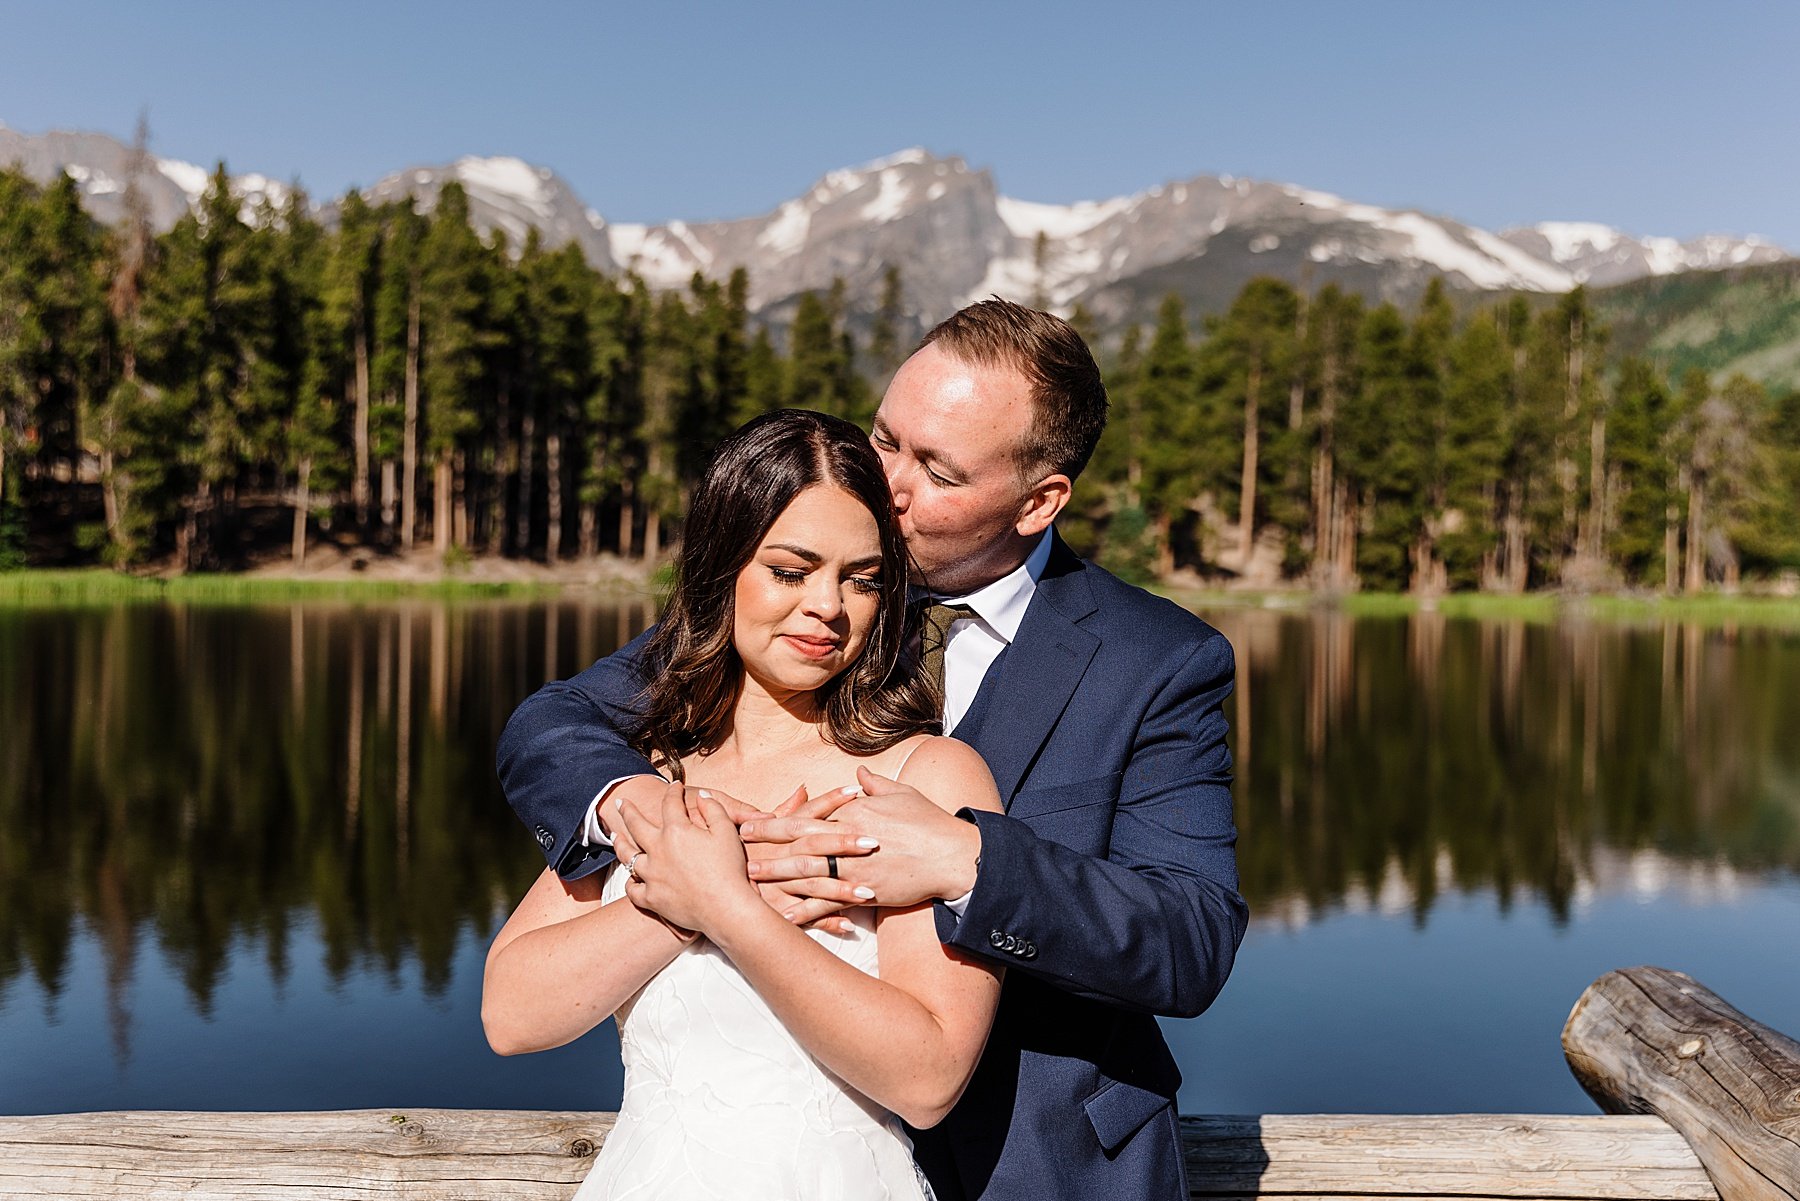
(389, 490)
(505, 473)
(1252, 448)
(627, 518)
(1596, 515)
(1696, 534)
(1671, 547)
(409, 440)
(359, 484)
(527, 455)
(553, 474)
(302, 502)
(442, 501)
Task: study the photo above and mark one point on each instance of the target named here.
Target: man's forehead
(934, 385)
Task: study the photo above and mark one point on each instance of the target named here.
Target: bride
(762, 1060)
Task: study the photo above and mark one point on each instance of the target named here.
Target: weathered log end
(1650, 1040)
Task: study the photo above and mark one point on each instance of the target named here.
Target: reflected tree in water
(224, 779)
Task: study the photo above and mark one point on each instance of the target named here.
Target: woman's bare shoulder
(950, 772)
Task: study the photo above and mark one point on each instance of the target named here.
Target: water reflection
(225, 788)
(212, 775)
(1383, 761)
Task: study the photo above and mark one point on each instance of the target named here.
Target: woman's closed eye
(795, 576)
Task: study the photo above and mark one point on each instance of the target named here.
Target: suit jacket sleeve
(562, 745)
(1155, 925)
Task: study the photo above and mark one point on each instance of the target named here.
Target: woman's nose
(822, 599)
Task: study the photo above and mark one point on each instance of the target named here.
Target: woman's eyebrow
(865, 561)
(799, 552)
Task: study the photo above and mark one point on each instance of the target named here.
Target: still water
(251, 857)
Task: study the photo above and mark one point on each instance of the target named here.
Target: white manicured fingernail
(864, 893)
(706, 794)
(867, 844)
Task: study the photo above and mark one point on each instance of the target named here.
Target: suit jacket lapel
(1039, 672)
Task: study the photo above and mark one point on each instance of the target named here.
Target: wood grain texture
(1651, 1040)
(445, 1154)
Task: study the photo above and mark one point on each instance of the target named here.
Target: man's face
(946, 432)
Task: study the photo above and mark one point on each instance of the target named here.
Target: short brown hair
(1067, 397)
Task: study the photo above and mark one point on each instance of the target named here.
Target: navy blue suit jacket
(1108, 887)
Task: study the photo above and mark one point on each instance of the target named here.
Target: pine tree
(454, 294)
(351, 284)
(885, 330)
(394, 368)
(1474, 451)
(1640, 473)
(1247, 365)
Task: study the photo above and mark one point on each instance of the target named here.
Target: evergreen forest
(254, 381)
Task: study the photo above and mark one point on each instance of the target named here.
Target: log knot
(581, 1148)
(1690, 1048)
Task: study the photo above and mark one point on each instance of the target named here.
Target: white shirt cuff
(592, 834)
(960, 905)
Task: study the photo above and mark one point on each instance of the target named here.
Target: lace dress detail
(721, 1102)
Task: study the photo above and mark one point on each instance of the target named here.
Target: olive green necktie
(934, 632)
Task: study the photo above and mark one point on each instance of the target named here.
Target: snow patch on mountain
(189, 178)
(507, 178)
(890, 197)
(94, 182)
(787, 233)
(662, 257)
(1569, 239)
(1484, 260)
(1027, 219)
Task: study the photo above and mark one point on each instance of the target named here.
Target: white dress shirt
(973, 643)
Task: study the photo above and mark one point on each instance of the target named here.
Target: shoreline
(425, 577)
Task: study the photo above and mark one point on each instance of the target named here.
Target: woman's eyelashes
(795, 576)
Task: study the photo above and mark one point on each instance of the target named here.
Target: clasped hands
(893, 847)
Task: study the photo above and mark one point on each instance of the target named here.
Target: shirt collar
(1002, 604)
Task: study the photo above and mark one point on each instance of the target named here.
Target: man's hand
(923, 852)
(644, 795)
(802, 897)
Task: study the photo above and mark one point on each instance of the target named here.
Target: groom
(1108, 888)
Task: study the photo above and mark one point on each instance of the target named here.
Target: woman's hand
(689, 868)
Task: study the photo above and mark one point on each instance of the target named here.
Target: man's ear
(1041, 505)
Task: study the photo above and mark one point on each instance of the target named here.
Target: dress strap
(909, 754)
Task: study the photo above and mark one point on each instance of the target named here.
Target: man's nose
(899, 482)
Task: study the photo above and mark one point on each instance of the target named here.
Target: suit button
(545, 838)
(1028, 951)
(996, 938)
(1012, 944)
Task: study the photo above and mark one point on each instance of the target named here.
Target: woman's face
(806, 600)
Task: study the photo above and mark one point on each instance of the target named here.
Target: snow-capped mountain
(956, 238)
(1600, 254)
(512, 196)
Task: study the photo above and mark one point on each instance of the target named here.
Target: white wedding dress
(722, 1104)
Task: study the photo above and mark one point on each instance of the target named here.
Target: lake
(251, 855)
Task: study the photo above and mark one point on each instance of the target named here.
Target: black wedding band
(831, 866)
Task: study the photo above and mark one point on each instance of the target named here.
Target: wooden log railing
(449, 1154)
(1650, 1040)
(1702, 1104)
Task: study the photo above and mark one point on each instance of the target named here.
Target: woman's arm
(910, 1039)
(564, 962)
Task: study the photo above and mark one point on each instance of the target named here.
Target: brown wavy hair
(692, 670)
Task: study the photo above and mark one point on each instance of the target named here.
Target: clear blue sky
(1658, 118)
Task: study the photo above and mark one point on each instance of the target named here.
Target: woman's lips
(812, 648)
